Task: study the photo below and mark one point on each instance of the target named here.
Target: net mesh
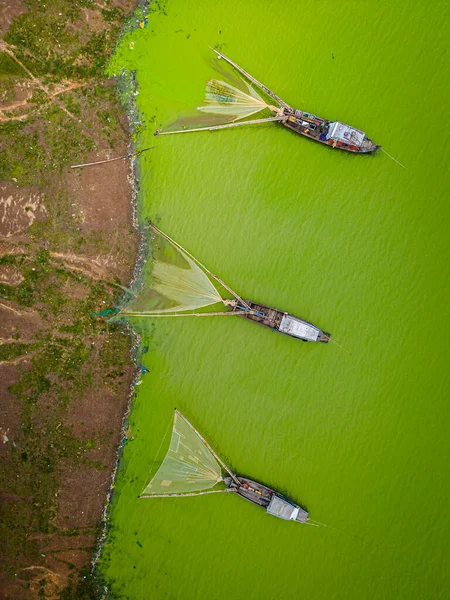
(188, 465)
(229, 97)
(171, 282)
(225, 99)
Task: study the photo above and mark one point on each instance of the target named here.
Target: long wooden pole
(180, 247)
(226, 126)
(251, 78)
(219, 460)
(165, 315)
(100, 162)
(187, 494)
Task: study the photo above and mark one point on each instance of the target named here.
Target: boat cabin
(340, 132)
(281, 508)
(298, 328)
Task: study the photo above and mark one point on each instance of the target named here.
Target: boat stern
(302, 515)
(368, 146)
(324, 337)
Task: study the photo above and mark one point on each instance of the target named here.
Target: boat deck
(254, 492)
(307, 124)
(273, 502)
(269, 317)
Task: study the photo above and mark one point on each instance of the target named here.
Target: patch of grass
(48, 44)
(11, 351)
(39, 97)
(90, 444)
(22, 154)
(11, 259)
(107, 119)
(72, 105)
(64, 138)
(9, 67)
(36, 285)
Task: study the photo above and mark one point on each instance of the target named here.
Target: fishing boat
(176, 284)
(192, 468)
(234, 102)
(282, 322)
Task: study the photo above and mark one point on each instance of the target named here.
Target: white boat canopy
(298, 328)
(344, 133)
(282, 509)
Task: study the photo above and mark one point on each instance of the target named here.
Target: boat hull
(277, 320)
(315, 128)
(263, 496)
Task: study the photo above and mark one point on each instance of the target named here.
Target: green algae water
(355, 244)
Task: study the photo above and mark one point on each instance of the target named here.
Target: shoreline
(70, 252)
(135, 339)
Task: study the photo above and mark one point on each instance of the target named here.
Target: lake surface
(355, 244)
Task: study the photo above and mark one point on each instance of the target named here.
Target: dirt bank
(67, 244)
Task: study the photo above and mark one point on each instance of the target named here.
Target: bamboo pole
(187, 494)
(251, 78)
(216, 127)
(100, 162)
(165, 315)
(233, 476)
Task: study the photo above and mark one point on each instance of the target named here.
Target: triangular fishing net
(188, 465)
(229, 97)
(172, 281)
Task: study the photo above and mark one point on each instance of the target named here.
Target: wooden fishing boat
(178, 282)
(192, 468)
(222, 97)
(275, 503)
(282, 322)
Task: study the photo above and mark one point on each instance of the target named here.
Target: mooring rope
(395, 160)
(339, 346)
(358, 537)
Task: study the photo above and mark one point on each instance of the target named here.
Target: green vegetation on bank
(55, 53)
(52, 40)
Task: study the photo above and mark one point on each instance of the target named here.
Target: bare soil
(67, 245)
(19, 207)
(9, 9)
